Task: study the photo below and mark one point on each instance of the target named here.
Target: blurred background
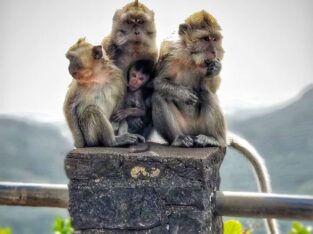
(266, 91)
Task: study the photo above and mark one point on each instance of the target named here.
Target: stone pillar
(164, 190)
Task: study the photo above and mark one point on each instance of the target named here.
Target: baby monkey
(137, 105)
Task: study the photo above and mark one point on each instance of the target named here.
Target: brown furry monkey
(98, 88)
(185, 108)
(133, 35)
(200, 41)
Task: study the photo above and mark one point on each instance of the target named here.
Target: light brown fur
(122, 45)
(191, 45)
(186, 111)
(98, 89)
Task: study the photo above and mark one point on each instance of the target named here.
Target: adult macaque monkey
(203, 47)
(98, 88)
(133, 35)
(185, 108)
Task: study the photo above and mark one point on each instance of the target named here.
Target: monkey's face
(137, 79)
(135, 26)
(83, 58)
(204, 44)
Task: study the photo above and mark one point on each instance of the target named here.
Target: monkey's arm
(128, 112)
(69, 110)
(168, 89)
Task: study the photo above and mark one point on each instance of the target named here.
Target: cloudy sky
(268, 43)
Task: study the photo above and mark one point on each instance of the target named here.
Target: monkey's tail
(261, 172)
(139, 148)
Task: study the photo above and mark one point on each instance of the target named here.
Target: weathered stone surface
(165, 190)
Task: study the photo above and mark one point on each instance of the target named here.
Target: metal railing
(241, 204)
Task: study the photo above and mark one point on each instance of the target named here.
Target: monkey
(137, 105)
(97, 89)
(185, 108)
(133, 35)
(203, 48)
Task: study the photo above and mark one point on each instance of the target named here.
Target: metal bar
(29, 194)
(263, 205)
(241, 204)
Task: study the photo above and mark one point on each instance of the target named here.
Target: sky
(268, 44)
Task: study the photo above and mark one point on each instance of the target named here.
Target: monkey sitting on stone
(185, 108)
(97, 89)
(133, 35)
(137, 105)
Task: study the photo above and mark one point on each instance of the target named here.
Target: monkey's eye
(140, 21)
(129, 22)
(213, 38)
(206, 38)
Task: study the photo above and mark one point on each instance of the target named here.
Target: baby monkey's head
(84, 59)
(139, 74)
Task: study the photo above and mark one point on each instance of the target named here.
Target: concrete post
(164, 190)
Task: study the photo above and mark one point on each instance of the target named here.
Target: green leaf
(5, 230)
(232, 227)
(58, 224)
(298, 228)
(62, 226)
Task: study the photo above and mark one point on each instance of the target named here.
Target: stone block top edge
(155, 150)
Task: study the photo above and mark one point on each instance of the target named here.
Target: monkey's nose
(211, 55)
(137, 33)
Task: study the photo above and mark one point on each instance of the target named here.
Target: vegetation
(298, 228)
(61, 226)
(5, 230)
(64, 226)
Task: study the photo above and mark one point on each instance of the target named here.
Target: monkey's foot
(128, 139)
(183, 141)
(140, 138)
(205, 141)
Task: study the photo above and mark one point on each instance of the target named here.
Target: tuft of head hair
(202, 19)
(81, 42)
(135, 6)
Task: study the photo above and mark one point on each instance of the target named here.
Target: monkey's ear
(97, 52)
(183, 29)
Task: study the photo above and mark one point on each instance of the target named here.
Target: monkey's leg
(96, 128)
(211, 123)
(168, 124)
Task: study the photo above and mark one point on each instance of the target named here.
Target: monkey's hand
(214, 67)
(187, 96)
(119, 116)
